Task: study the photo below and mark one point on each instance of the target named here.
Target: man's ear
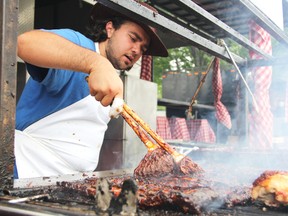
(109, 29)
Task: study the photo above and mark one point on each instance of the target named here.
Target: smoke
(236, 167)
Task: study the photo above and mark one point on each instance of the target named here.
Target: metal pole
(239, 72)
(8, 71)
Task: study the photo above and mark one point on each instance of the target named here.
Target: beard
(116, 62)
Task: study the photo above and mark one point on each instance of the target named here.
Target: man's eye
(133, 38)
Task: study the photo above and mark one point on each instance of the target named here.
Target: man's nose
(137, 49)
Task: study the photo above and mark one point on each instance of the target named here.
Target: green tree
(187, 59)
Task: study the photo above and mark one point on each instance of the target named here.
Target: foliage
(188, 59)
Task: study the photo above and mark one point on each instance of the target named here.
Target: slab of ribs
(157, 183)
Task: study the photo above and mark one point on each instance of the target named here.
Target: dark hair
(96, 30)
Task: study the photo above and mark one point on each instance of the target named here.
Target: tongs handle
(126, 112)
(177, 156)
(138, 131)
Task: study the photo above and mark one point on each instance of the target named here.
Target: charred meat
(271, 188)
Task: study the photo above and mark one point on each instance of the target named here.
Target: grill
(46, 196)
(56, 204)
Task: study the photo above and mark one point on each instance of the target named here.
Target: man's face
(126, 45)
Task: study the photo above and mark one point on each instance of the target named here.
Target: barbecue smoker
(229, 170)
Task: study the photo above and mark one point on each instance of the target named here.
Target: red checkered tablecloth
(197, 130)
(163, 127)
(179, 128)
(261, 119)
(222, 114)
(146, 68)
(200, 131)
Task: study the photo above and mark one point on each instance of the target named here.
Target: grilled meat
(186, 194)
(271, 188)
(161, 185)
(182, 164)
(181, 193)
(158, 163)
(155, 163)
(236, 196)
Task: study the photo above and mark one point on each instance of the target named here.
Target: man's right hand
(105, 83)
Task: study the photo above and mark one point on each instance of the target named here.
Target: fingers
(105, 97)
(106, 100)
(99, 96)
(105, 87)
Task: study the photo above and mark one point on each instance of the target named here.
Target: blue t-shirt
(60, 127)
(59, 89)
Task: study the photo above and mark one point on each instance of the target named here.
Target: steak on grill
(159, 163)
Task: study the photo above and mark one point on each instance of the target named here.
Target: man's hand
(105, 83)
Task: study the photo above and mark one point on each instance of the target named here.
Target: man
(59, 125)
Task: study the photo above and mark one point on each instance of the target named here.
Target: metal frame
(8, 64)
(193, 8)
(265, 22)
(170, 28)
(172, 23)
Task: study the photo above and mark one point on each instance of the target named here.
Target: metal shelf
(182, 104)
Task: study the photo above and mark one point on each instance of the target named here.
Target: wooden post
(8, 70)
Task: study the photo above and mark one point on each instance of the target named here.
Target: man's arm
(48, 50)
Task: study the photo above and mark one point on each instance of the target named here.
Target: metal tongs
(222, 42)
(141, 128)
(118, 107)
(185, 164)
(135, 121)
